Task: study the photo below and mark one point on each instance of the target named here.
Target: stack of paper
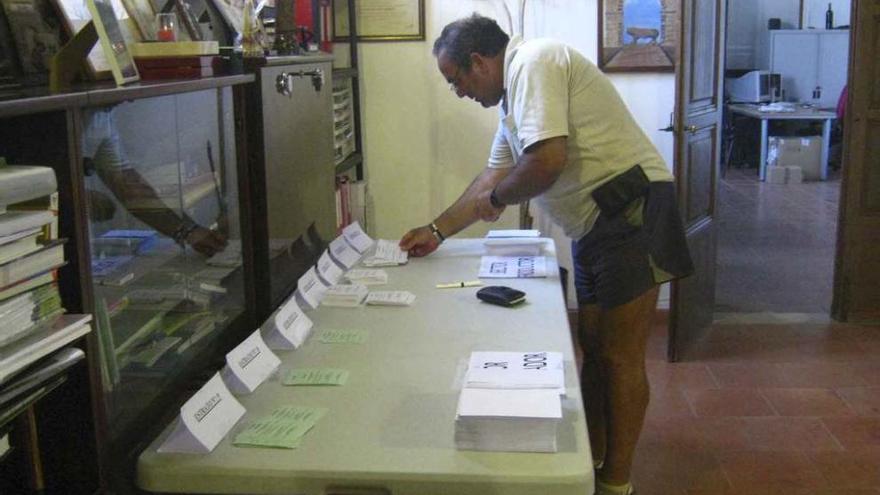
(344, 295)
(390, 298)
(514, 246)
(513, 266)
(508, 233)
(367, 277)
(507, 420)
(388, 253)
(516, 370)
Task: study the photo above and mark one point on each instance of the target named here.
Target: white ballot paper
(513, 267)
(249, 364)
(348, 296)
(516, 370)
(310, 288)
(388, 253)
(290, 327)
(390, 298)
(495, 234)
(367, 276)
(356, 237)
(328, 269)
(204, 419)
(515, 246)
(343, 253)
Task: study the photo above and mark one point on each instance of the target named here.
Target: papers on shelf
(515, 246)
(367, 276)
(343, 253)
(348, 296)
(388, 253)
(315, 376)
(310, 288)
(516, 370)
(507, 420)
(356, 237)
(328, 269)
(496, 234)
(249, 364)
(390, 298)
(204, 419)
(513, 267)
(290, 327)
(50, 336)
(284, 428)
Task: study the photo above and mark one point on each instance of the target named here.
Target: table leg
(762, 165)
(826, 144)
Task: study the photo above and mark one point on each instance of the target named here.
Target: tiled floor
(784, 409)
(775, 244)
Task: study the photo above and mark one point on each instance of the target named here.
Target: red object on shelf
(165, 35)
(304, 15)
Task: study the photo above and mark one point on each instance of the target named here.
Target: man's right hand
(419, 241)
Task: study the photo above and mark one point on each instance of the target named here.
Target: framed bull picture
(638, 35)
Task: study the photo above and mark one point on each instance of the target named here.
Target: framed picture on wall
(36, 34)
(381, 20)
(638, 35)
(75, 14)
(112, 41)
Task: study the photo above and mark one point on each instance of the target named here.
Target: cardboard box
(804, 152)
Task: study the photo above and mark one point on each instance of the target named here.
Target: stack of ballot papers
(507, 233)
(387, 253)
(347, 296)
(511, 401)
(513, 266)
(390, 298)
(367, 277)
(516, 370)
(514, 246)
(507, 420)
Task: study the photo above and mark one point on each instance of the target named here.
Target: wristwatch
(439, 235)
(493, 199)
(185, 228)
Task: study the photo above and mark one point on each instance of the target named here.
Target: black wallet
(501, 295)
(615, 195)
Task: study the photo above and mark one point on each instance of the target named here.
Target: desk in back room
(390, 429)
(799, 114)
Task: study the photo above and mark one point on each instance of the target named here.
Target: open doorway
(784, 73)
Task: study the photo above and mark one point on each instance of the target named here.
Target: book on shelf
(174, 48)
(28, 284)
(23, 314)
(172, 62)
(39, 373)
(14, 223)
(41, 204)
(48, 257)
(25, 182)
(20, 247)
(52, 335)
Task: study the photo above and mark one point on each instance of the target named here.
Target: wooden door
(699, 103)
(857, 266)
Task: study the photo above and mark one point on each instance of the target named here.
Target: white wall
(423, 145)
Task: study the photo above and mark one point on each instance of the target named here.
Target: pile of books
(510, 402)
(177, 59)
(32, 323)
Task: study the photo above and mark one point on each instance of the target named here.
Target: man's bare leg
(592, 378)
(623, 335)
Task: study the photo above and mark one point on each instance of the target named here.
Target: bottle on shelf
(829, 18)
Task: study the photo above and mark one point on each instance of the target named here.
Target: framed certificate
(381, 20)
(113, 42)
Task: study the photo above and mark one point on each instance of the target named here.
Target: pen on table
(458, 285)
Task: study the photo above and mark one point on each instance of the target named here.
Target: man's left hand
(484, 209)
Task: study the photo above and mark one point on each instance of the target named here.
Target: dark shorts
(627, 254)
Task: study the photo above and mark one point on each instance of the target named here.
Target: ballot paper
(344, 295)
(284, 428)
(343, 253)
(204, 419)
(367, 276)
(310, 288)
(495, 234)
(516, 370)
(356, 237)
(513, 267)
(390, 298)
(290, 327)
(515, 246)
(315, 376)
(328, 269)
(343, 336)
(388, 253)
(507, 420)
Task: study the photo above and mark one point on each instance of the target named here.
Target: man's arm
(421, 241)
(537, 170)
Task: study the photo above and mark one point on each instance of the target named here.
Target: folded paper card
(357, 238)
(289, 328)
(328, 269)
(343, 253)
(310, 288)
(249, 364)
(204, 419)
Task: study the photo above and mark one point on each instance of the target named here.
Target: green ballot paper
(343, 337)
(315, 376)
(284, 428)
